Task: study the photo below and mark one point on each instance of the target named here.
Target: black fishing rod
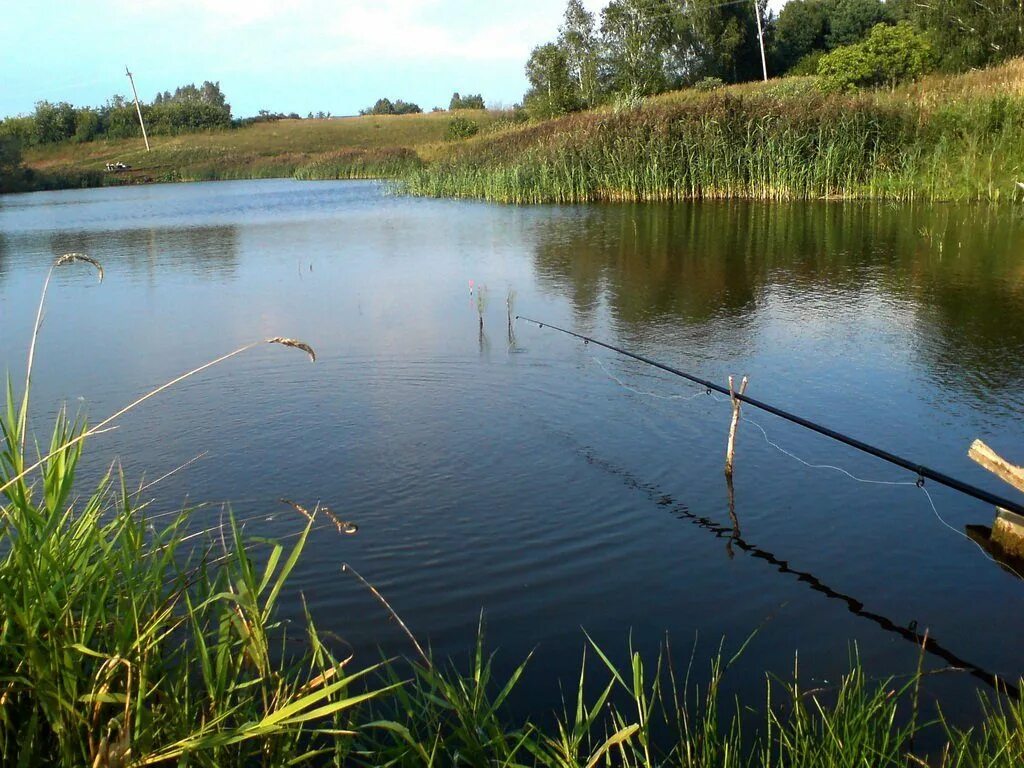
(923, 472)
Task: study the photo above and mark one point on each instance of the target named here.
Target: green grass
(352, 147)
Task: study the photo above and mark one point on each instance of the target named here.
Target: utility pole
(760, 38)
(143, 123)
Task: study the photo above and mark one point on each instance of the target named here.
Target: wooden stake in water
(1007, 528)
(730, 448)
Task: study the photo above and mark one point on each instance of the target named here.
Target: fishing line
(918, 469)
(811, 465)
(635, 391)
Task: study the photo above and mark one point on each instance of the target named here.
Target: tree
(849, 21)
(723, 39)
(578, 40)
(889, 55)
(471, 101)
(638, 36)
(972, 33)
(54, 122)
(551, 89)
(800, 28)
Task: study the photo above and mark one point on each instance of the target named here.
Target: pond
(551, 486)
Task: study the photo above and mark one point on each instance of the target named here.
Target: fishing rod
(923, 472)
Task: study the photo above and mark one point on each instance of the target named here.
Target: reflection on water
(713, 266)
(734, 539)
(456, 448)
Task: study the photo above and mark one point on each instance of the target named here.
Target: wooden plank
(997, 465)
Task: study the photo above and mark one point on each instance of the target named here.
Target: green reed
(768, 145)
(643, 715)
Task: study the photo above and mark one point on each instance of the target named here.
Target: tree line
(637, 48)
(189, 108)
(387, 107)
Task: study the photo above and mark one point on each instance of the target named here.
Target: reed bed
(773, 142)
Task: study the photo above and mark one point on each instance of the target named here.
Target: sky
(300, 56)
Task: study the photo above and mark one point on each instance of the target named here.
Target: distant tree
(12, 173)
(387, 107)
(406, 108)
(579, 41)
(87, 124)
(10, 155)
(53, 122)
(551, 88)
(889, 55)
(470, 101)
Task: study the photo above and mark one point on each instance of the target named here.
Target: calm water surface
(552, 485)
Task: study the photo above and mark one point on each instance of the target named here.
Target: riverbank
(957, 138)
(946, 138)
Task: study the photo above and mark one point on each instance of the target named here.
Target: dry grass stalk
(298, 508)
(296, 344)
(345, 567)
(72, 258)
(152, 393)
(67, 258)
(344, 526)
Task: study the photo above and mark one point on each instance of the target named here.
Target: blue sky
(283, 55)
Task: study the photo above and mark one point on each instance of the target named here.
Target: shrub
(708, 83)
(807, 65)
(889, 55)
(462, 128)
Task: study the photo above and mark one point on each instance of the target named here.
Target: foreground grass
(946, 138)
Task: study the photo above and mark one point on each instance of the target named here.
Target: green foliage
(462, 128)
(121, 644)
(723, 39)
(551, 89)
(387, 107)
(806, 66)
(799, 30)
(11, 171)
(53, 122)
(578, 39)
(708, 84)
(188, 109)
(637, 36)
(470, 101)
(889, 55)
(972, 33)
(849, 21)
(784, 141)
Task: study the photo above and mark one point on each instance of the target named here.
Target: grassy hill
(349, 147)
(945, 138)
